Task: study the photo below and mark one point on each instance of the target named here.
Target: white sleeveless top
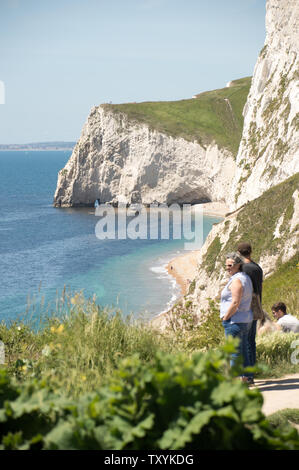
(244, 312)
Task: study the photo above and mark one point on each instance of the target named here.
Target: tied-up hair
(236, 257)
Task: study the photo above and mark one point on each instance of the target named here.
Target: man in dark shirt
(255, 273)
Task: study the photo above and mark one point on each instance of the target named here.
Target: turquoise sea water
(43, 248)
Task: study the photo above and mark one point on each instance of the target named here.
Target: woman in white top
(235, 310)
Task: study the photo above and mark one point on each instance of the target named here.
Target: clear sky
(58, 58)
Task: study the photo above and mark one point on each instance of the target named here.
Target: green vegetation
(263, 52)
(174, 402)
(295, 121)
(275, 349)
(96, 380)
(283, 285)
(211, 116)
(78, 351)
(275, 115)
(285, 418)
(212, 254)
(280, 149)
(89, 378)
(189, 335)
(257, 221)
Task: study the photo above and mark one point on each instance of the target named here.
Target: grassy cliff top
(256, 224)
(259, 218)
(212, 116)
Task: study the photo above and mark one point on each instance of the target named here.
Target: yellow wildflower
(76, 299)
(60, 329)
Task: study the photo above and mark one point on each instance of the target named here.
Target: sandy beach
(184, 267)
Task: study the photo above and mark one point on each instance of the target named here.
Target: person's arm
(236, 289)
(278, 325)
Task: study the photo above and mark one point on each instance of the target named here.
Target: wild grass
(278, 349)
(78, 346)
(258, 219)
(79, 351)
(189, 335)
(283, 286)
(284, 418)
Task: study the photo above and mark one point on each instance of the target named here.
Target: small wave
(159, 270)
(162, 273)
(171, 303)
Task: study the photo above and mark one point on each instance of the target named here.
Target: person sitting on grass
(285, 321)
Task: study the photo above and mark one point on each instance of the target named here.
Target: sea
(46, 251)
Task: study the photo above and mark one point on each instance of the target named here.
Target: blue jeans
(241, 331)
(251, 343)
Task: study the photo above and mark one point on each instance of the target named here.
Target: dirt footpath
(279, 393)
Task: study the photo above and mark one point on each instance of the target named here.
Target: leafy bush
(28, 412)
(284, 418)
(174, 402)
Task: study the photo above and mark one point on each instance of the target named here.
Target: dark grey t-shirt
(255, 273)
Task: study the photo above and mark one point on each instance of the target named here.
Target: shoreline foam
(183, 268)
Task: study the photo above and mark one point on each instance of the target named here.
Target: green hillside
(258, 218)
(283, 285)
(257, 221)
(211, 116)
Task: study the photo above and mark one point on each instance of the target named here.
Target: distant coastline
(40, 146)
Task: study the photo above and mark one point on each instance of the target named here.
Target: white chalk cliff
(117, 160)
(268, 156)
(269, 149)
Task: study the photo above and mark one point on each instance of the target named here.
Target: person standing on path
(235, 308)
(255, 272)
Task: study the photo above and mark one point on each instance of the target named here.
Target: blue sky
(58, 58)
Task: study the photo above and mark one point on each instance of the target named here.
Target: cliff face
(116, 160)
(265, 188)
(270, 223)
(269, 149)
(122, 159)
